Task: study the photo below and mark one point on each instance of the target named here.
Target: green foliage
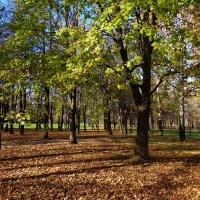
(22, 117)
(9, 116)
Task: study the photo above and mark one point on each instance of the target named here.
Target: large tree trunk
(142, 96)
(142, 136)
(141, 92)
(143, 112)
(72, 138)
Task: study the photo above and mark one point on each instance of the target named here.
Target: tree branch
(162, 79)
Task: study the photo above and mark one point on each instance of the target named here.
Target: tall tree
(136, 40)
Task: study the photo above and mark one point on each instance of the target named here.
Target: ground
(98, 167)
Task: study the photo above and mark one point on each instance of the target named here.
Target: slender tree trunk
(105, 121)
(22, 105)
(182, 113)
(131, 122)
(182, 125)
(152, 120)
(58, 122)
(6, 110)
(46, 114)
(65, 118)
(78, 120)
(109, 128)
(13, 107)
(37, 117)
(160, 125)
(120, 121)
(73, 117)
(84, 117)
(126, 121)
(51, 117)
(61, 119)
(114, 125)
(68, 120)
(1, 116)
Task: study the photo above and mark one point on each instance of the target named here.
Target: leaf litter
(98, 167)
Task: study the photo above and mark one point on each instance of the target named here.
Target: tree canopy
(126, 50)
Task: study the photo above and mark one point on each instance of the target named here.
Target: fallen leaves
(96, 168)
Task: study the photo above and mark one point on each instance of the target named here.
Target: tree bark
(84, 117)
(51, 117)
(61, 119)
(22, 105)
(6, 110)
(46, 114)
(78, 120)
(109, 128)
(72, 138)
(142, 96)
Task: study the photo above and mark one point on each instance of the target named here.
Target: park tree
(65, 45)
(136, 40)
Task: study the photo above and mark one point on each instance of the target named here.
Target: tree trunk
(182, 123)
(84, 117)
(131, 122)
(37, 118)
(11, 126)
(182, 109)
(142, 95)
(22, 105)
(142, 137)
(72, 138)
(160, 125)
(65, 118)
(78, 120)
(152, 128)
(6, 110)
(109, 128)
(61, 119)
(120, 121)
(141, 92)
(1, 120)
(126, 122)
(105, 121)
(51, 117)
(46, 114)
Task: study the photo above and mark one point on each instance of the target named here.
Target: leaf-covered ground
(98, 167)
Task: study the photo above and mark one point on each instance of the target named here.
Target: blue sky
(4, 1)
